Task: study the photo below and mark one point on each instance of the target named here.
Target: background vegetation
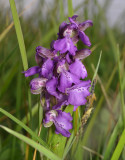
(105, 126)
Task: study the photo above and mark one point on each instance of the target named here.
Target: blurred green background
(40, 20)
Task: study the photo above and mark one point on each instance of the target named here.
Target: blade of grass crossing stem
(32, 143)
(23, 126)
(70, 8)
(119, 147)
(121, 87)
(113, 138)
(19, 34)
(97, 67)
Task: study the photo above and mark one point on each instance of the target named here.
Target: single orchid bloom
(80, 28)
(37, 84)
(61, 120)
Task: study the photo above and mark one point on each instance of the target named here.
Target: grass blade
(119, 147)
(32, 143)
(97, 67)
(23, 126)
(113, 138)
(19, 34)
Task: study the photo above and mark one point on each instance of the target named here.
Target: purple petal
(47, 69)
(45, 53)
(72, 21)
(31, 71)
(78, 93)
(78, 69)
(61, 65)
(83, 26)
(51, 87)
(66, 80)
(68, 58)
(61, 101)
(62, 123)
(74, 17)
(64, 45)
(62, 29)
(37, 84)
(84, 38)
(83, 53)
(49, 116)
(39, 59)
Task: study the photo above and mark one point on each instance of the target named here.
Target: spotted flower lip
(78, 93)
(61, 120)
(66, 80)
(37, 84)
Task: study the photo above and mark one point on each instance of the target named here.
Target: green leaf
(21, 124)
(32, 143)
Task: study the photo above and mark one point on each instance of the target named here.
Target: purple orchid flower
(37, 84)
(80, 28)
(61, 120)
(60, 76)
(64, 42)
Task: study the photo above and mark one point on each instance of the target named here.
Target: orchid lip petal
(78, 69)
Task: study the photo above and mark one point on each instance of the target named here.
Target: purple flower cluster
(61, 74)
